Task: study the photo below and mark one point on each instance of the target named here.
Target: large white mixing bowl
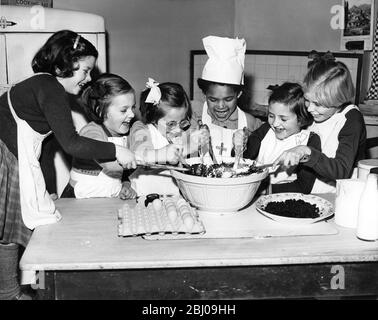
(218, 194)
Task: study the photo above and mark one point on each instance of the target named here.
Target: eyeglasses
(183, 125)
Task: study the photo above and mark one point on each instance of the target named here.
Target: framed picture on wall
(28, 3)
(358, 25)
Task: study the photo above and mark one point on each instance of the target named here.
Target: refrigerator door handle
(4, 23)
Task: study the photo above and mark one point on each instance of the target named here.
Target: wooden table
(82, 257)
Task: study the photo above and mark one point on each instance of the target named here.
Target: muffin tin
(164, 216)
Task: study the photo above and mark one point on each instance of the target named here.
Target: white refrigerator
(23, 30)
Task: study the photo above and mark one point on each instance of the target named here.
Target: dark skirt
(12, 227)
(68, 192)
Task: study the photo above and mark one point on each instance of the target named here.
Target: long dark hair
(60, 53)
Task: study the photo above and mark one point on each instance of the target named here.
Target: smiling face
(221, 101)
(120, 113)
(169, 125)
(319, 112)
(81, 76)
(282, 120)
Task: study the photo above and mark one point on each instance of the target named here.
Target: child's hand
(239, 140)
(204, 137)
(173, 153)
(127, 192)
(125, 157)
(293, 156)
(197, 138)
(54, 196)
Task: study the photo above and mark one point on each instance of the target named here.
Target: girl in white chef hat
(109, 102)
(222, 83)
(163, 136)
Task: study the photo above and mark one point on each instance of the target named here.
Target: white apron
(271, 148)
(154, 181)
(328, 132)
(37, 207)
(100, 186)
(219, 134)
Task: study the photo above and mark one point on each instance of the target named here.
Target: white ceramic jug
(364, 167)
(367, 224)
(348, 194)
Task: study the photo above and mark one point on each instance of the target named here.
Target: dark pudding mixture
(224, 170)
(293, 208)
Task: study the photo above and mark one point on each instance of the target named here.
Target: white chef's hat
(226, 60)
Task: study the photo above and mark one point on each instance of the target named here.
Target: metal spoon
(163, 166)
(268, 165)
(264, 166)
(211, 151)
(182, 160)
(239, 151)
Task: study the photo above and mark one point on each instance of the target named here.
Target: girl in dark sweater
(29, 111)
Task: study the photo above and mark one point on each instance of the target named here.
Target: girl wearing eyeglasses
(329, 92)
(164, 136)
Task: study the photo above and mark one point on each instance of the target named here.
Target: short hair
(61, 52)
(98, 96)
(329, 82)
(171, 93)
(291, 94)
(204, 85)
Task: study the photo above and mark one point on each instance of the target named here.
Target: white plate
(325, 207)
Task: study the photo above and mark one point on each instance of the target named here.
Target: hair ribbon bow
(154, 95)
(316, 57)
(273, 87)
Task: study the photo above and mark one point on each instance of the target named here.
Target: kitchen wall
(154, 37)
(296, 25)
(292, 25)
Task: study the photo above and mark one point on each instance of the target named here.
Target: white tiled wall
(265, 70)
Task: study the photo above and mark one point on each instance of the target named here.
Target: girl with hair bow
(163, 136)
(316, 57)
